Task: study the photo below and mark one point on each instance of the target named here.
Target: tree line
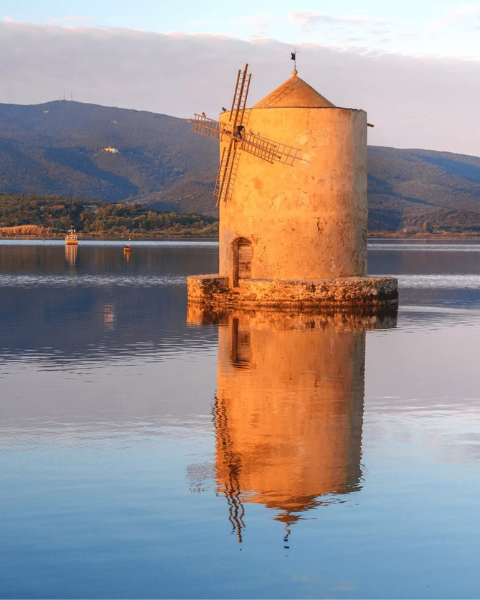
(58, 214)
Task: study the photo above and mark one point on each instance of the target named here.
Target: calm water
(150, 451)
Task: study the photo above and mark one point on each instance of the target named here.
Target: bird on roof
(224, 109)
(203, 114)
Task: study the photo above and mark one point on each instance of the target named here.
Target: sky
(413, 65)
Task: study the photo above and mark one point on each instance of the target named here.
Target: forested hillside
(57, 214)
(408, 188)
(59, 148)
(65, 148)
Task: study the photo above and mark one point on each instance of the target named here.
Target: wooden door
(244, 260)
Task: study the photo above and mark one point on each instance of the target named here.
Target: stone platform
(348, 292)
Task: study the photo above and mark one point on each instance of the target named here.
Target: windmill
(237, 140)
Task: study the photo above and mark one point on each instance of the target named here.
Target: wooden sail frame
(234, 133)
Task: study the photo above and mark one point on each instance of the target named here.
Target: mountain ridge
(65, 148)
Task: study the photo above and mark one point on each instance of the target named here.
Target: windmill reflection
(288, 412)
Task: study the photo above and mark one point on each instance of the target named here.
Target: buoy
(127, 249)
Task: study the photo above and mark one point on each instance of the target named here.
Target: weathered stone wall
(349, 291)
(306, 221)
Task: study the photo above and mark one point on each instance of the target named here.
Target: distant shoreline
(186, 237)
(113, 238)
(422, 236)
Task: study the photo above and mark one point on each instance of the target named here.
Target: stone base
(348, 292)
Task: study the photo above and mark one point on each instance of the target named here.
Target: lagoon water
(150, 451)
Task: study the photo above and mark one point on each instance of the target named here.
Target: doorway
(243, 259)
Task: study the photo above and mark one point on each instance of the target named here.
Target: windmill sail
(265, 149)
(220, 175)
(269, 150)
(234, 132)
(226, 173)
(209, 127)
(240, 98)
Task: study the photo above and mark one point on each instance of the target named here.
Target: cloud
(416, 102)
(72, 20)
(456, 15)
(204, 22)
(379, 32)
(309, 20)
(259, 23)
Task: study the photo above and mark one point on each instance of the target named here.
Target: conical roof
(294, 93)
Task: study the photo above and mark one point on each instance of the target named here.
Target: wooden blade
(227, 173)
(269, 150)
(240, 98)
(263, 148)
(220, 174)
(209, 127)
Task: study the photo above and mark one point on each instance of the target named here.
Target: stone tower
(309, 220)
(291, 233)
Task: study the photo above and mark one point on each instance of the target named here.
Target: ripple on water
(445, 282)
(423, 247)
(56, 281)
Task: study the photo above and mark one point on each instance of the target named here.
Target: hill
(58, 148)
(61, 148)
(406, 187)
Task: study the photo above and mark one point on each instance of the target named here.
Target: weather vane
(294, 58)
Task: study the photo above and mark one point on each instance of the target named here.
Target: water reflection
(105, 404)
(435, 273)
(108, 317)
(71, 305)
(71, 253)
(288, 412)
